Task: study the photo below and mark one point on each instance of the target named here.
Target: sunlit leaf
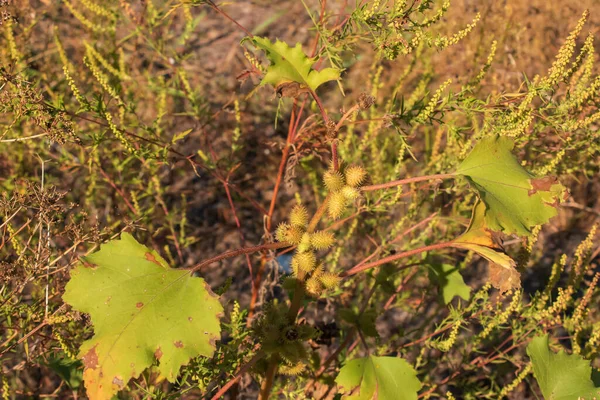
(143, 313)
(561, 376)
(381, 378)
(486, 243)
(516, 200)
(290, 64)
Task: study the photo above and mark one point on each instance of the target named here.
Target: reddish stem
(364, 267)
(405, 181)
(239, 375)
(238, 252)
(223, 13)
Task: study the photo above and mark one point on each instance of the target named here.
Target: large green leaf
(451, 282)
(143, 313)
(486, 243)
(381, 378)
(290, 64)
(561, 376)
(516, 200)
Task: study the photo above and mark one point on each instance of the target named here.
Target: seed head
(337, 205)
(305, 262)
(333, 180)
(322, 240)
(314, 287)
(288, 234)
(330, 280)
(350, 193)
(299, 216)
(292, 370)
(355, 175)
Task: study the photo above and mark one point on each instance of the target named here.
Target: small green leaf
(143, 313)
(561, 376)
(70, 371)
(483, 241)
(290, 64)
(381, 378)
(366, 323)
(451, 282)
(177, 137)
(516, 200)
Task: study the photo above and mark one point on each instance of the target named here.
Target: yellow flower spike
(355, 175)
(333, 180)
(322, 240)
(330, 280)
(304, 261)
(337, 205)
(350, 193)
(314, 287)
(299, 216)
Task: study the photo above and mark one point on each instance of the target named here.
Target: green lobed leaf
(561, 376)
(143, 313)
(516, 200)
(450, 281)
(290, 64)
(381, 378)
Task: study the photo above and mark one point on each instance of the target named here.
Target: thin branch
(258, 356)
(234, 253)
(385, 260)
(406, 181)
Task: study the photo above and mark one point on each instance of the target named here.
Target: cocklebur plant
(401, 191)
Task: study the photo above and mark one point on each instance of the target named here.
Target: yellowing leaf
(516, 201)
(381, 378)
(561, 376)
(480, 239)
(143, 312)
(290, 64)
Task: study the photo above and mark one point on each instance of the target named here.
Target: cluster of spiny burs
(343, 189)
(286, 340)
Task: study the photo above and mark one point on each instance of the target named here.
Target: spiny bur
(337, 205)
(314, 287)
(330, 280)
(355, 175)
(322, 240)
(289, 234)
(333, 180)
(305, 262)
(350, 193)
(292, 370)
(299, 216)
(305, 243)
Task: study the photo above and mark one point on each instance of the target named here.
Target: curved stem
(234, 253)
(364, 267)
(405, 181)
